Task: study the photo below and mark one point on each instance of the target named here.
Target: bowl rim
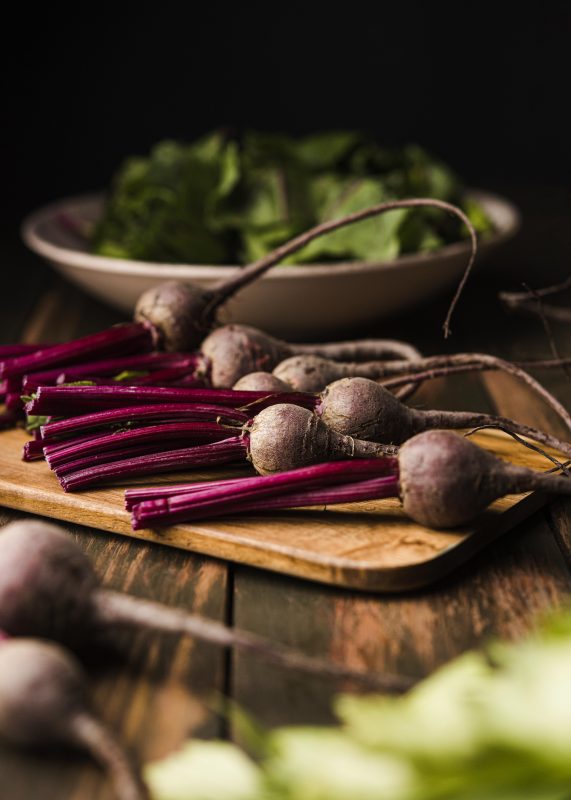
(504, 214)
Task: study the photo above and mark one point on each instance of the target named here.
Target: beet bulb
(362, 408)
(237, 350)
(43, 702)
(446, 480)
(44, 570)
(183, 313)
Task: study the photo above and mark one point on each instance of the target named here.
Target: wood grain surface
(149, 689)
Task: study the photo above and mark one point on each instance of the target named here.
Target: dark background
(484, 85)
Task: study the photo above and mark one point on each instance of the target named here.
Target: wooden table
(156, 690)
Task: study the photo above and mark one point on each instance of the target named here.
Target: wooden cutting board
(370, 546)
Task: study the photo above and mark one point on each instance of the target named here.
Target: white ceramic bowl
(308, 300)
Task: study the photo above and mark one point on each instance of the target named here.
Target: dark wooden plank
(149, 688)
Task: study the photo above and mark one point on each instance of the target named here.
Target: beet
(182, 313)
(365, 409)
(446, 480)
(43, 702)
(284, 437)
(237, 350)
(48, 588)
(261, 381)
(311, 373)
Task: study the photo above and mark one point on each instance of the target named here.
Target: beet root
(446, 480)
(234, 351)
(46, 584)
(262, 382)
(176, 312)
(42, 689)
(43, 702)
(365, 409)
(284, 437)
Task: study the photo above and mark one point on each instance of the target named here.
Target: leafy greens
(220, 200)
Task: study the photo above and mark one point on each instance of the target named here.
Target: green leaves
(205, 771)
(218, 200)
(493, 726)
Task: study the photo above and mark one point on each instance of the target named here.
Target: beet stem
(468, 419)
(67, 399)
(126, 338)
(223, 452)
(468, 362)
(113, 608)
(139, 416)
(242, 277)
(316, 474)
(188, 432)
(203, 505)
(360, 350)
(92, 735)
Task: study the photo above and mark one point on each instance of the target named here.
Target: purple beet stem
(224, 452)
(140, 415)
(187, 432)
(13, 350)
(105, 367)
(216, 503)
(60, 400)
(121, 339)
(330, 472)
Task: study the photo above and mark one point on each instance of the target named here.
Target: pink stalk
(33, 450)
(13, 350)
(187, 432)
(134, 496)
(65, 400)
(121, 339)
(13, 402)
(74, 466)
(139, 416)
(324, 474)
(223, 452)
(7, 419)
(195, 506)
(105, 367)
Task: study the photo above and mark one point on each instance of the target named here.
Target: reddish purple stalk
(341, 482)
(223, 452)
(13, 350)
(66, 400)
(119, 340)
(139, 416)
(157, 435)
(8, 419)
(105, 367)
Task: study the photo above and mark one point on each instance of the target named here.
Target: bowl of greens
(196, 211)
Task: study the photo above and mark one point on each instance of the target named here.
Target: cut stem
(208, 455)
(128, 338)
(140, 416)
